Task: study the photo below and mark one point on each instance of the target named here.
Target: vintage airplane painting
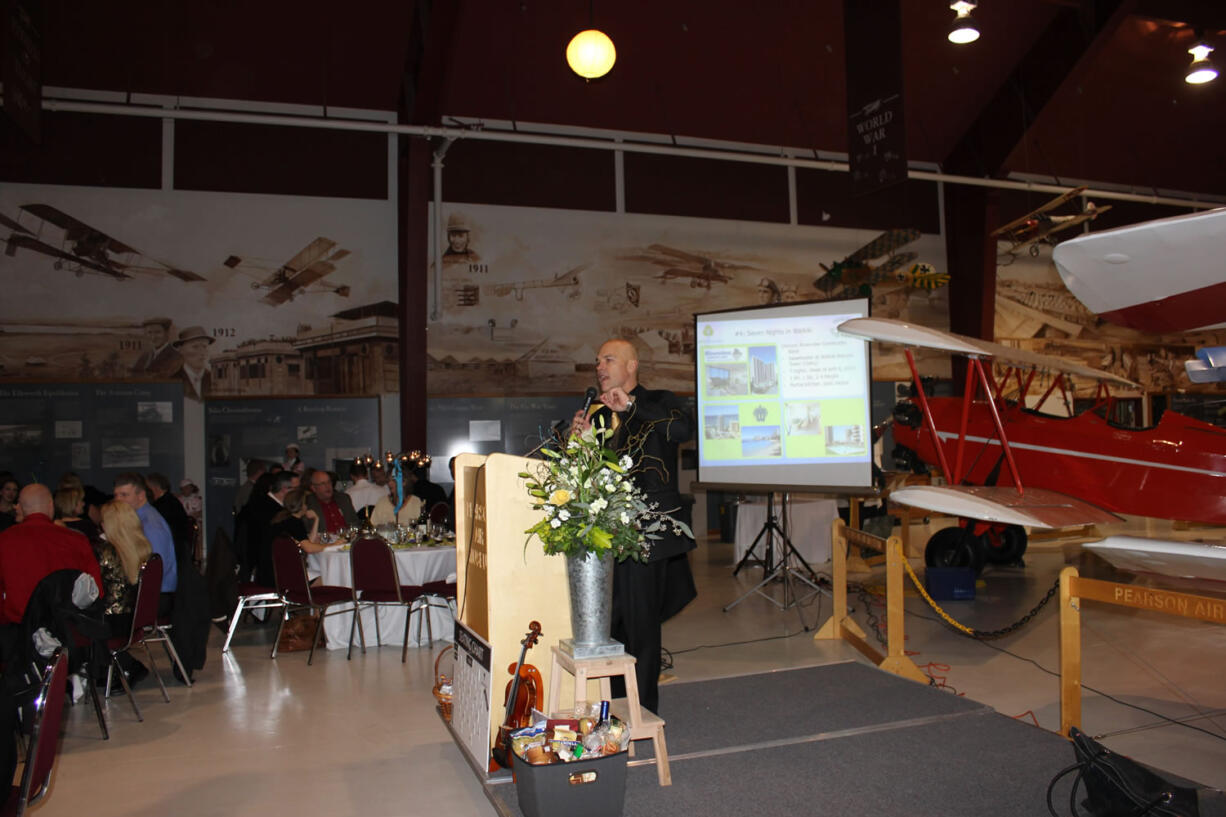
(699, 270)
(1039, 226)
(854, 276)
(1008, 465)
(308, 267)
(80, 248)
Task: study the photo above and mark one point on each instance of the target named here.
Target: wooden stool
(643, 723)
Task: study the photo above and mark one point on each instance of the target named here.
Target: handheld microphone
(588, 397)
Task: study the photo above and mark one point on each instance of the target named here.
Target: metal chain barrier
(980, 634)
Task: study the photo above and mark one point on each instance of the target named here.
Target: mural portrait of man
(161, 359)
(193, 344)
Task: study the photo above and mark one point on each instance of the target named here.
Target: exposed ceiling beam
(1057, 57)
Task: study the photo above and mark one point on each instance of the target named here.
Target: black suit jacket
(181, 526)
(661, 421)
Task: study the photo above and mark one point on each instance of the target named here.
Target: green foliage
(590, 503)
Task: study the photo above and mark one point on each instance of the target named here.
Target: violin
(523, 694)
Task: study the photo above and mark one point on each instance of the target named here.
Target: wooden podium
(505, 581)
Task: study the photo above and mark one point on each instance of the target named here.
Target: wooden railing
(1074, 590)
(840, 626)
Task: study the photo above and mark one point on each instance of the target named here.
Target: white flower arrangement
(590, 505)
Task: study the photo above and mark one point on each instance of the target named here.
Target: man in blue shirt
(130, 488)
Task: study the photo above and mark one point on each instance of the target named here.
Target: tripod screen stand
(786, 565)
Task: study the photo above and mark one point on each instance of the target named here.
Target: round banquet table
(807, 524)
(416, 565)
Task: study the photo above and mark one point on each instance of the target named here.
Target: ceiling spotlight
(1202, 69)
(591, 54)
(963, 30)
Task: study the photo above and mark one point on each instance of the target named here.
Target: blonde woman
(121, 556)
(70, 512)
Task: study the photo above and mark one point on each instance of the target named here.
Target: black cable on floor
(1109, 697)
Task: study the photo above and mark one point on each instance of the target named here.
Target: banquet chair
(144, 630)
(377, 581)
(251, 596)
(44, 739)
(297, 594)
(435, 594)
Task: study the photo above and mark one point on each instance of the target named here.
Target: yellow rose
(559, 497)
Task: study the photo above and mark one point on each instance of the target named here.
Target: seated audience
(130, 488)
(297, 521)
(171, 509)
(335, 510)
(70, 512)
(34, 548)
(363, 492)
(255, 543)
(385, 513)
(121, 556)
(431, 493)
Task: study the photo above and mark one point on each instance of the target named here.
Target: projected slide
(782, 397)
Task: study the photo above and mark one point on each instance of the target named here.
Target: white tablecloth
(415, 566)
(807, 525)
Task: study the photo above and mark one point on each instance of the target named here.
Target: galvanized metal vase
(591, 607)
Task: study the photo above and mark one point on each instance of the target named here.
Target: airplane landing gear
(954, 547)
(1004, 545)
(958, 546)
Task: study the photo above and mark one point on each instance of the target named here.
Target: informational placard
(97, 430)
(470, 701)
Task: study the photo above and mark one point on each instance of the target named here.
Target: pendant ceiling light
(1202, 69)
(591, 54)
(963, 30)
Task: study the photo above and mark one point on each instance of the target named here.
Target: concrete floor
(256, 736)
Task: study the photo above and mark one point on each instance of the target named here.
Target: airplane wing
(682, 254)
(1183, 560)
(13, 225)
(1051, 205)
(31, 243)
(182, 275)
(892, 263)
(888, 241)
(303, 279)
(1159, 276)
(887, 330)
(304, 258)
(1037, 507)
(73, 229)
(1058, 224)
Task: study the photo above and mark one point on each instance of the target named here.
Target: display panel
(783, 398)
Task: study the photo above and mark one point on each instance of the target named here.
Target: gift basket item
(442, 685)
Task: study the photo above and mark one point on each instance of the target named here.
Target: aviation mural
(550, 286)
(229, 293)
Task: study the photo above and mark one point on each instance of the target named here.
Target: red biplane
(1008, 466)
